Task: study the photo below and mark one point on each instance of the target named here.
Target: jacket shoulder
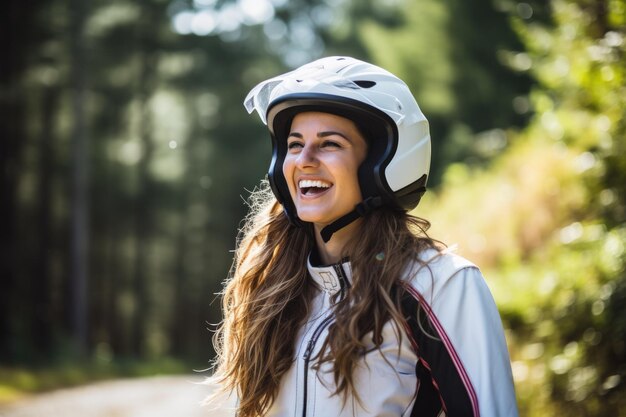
(433, 269)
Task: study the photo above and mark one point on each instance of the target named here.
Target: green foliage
(546, 219)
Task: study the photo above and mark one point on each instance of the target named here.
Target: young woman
(339, 304)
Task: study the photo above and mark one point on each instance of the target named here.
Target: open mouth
(313, 187)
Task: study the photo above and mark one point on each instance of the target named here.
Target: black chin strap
(361, 209)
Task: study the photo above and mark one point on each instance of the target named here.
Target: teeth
(313, 183)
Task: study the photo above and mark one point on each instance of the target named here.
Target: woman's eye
(294, 145)
(331, 143)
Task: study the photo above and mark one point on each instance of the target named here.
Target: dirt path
(171, 396)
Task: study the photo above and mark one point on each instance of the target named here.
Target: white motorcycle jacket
(451, 360)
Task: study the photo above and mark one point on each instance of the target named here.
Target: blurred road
(167, 396)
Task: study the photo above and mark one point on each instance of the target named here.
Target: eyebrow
(323, 134)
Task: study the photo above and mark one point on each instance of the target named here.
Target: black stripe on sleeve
(440, 385)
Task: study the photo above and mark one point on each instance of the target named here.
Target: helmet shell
(397, 164)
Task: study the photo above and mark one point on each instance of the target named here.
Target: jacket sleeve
(463, 356)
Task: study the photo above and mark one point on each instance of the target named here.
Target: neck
(332, 252)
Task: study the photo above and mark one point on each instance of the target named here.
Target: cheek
(352, 178)
(352, 170)
(348, 179)
(288, 168)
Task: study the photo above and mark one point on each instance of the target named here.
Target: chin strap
(361, 209)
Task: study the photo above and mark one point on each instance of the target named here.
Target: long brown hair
(267, 298)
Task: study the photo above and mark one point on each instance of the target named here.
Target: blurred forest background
(126, 156)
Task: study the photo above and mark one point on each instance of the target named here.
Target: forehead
(321, 120)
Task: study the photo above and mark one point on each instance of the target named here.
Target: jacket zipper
(307, 357)
(316, 335)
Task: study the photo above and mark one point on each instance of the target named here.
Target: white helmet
(396, 168)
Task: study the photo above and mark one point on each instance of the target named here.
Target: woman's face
(324, 152)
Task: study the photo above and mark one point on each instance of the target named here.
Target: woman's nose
(307, 157)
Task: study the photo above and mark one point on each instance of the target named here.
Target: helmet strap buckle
(369, 204)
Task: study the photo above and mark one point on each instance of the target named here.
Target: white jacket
(464, 370)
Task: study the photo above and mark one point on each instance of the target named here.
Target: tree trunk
(16, 21)
(79, 250)
(143, 208)
(180, 309)
(41, 286)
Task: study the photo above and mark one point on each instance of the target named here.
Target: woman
(339, 304)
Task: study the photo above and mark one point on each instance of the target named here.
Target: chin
(318, 218)
(311, 216)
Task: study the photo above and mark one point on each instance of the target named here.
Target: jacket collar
(330, 278)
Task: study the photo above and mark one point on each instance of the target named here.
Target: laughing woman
(339, 304)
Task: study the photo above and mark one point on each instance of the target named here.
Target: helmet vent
(365, 83)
